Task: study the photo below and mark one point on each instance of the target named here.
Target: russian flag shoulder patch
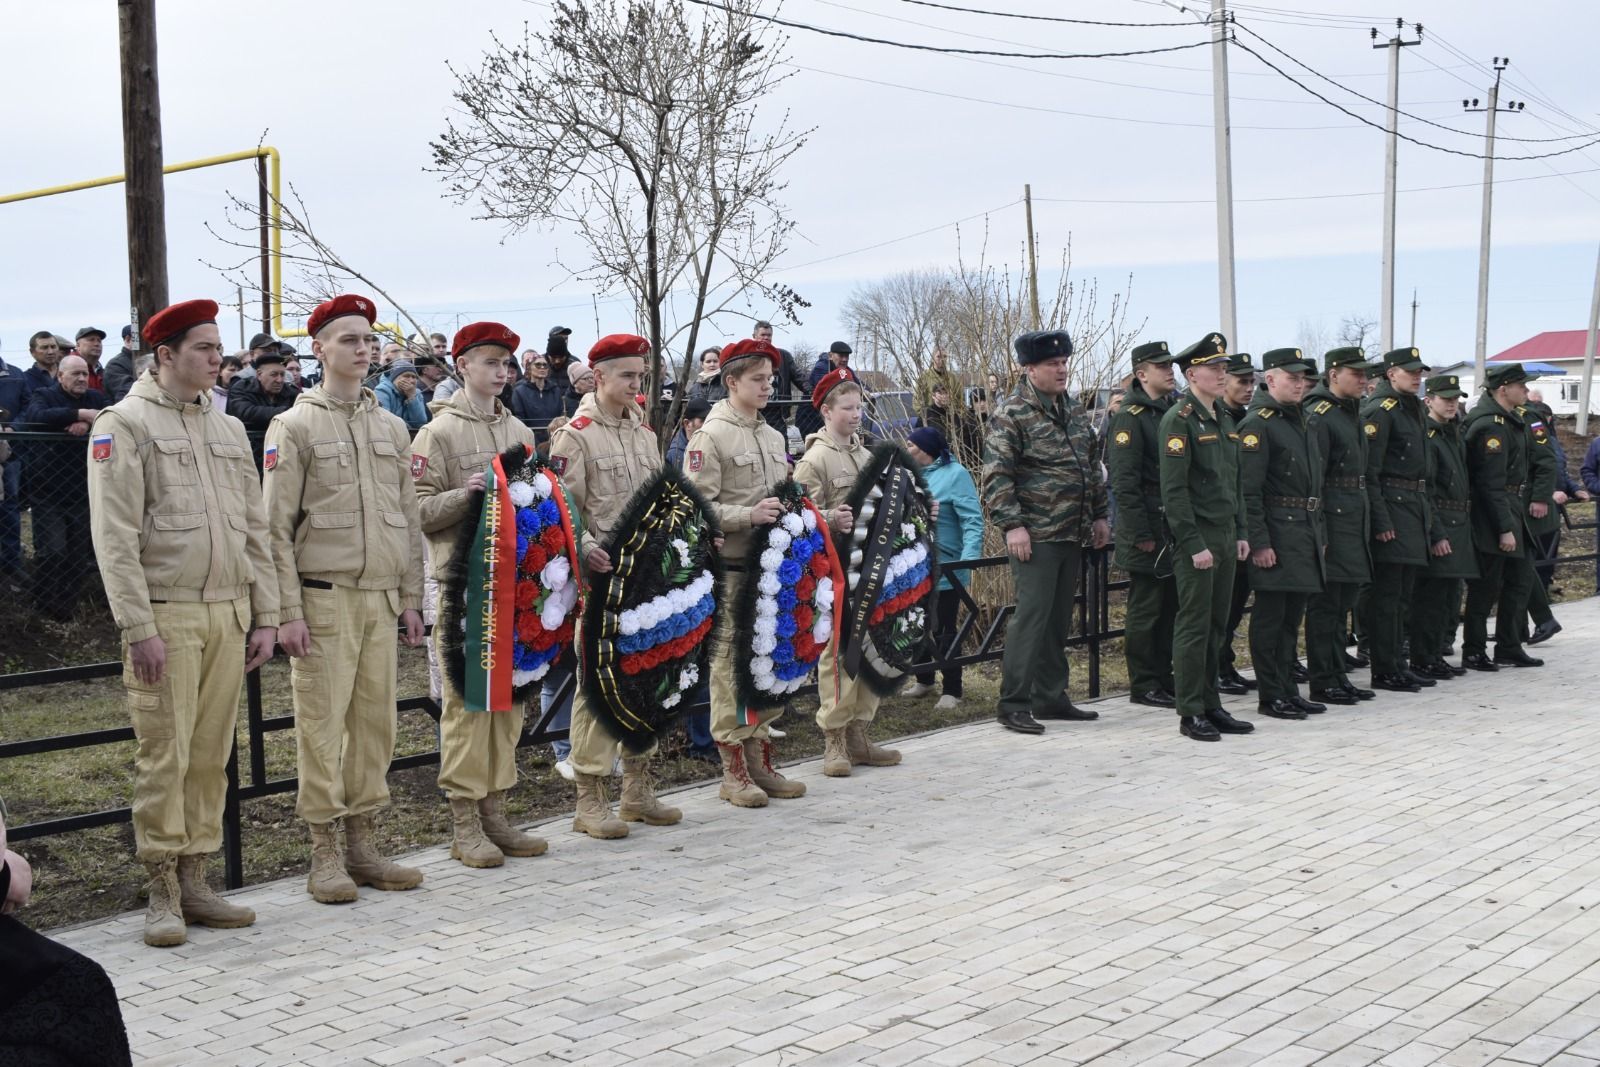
(100, 447)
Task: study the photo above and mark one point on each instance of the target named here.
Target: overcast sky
(1119, 154)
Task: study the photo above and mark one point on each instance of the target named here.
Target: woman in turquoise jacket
(960, 537)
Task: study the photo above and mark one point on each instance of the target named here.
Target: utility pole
(1390, 163)
(1413, 318)
(1493, 109)
(1588, 355)
(142, 163)
(1224, 161)
(1033, 259)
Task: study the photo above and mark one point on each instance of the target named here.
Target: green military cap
(1311, 366)
(1209, 349)
(1353, 358)
(1288, 359)
(1506, 374)
(1152, 352)
(1404, 358)
(1239, 363)
(1445, 386)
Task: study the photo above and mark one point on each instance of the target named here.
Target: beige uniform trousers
(185, 728)
(593, 750)
(729, 722)
(344, 713)
(477, 749)
(855, 701)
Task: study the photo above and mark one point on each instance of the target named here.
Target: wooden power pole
(1033, 259)
(142, 159)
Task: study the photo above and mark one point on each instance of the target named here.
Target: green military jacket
(1135, 461)
(1200, 475)
(1498, 468)
(1452, 503)
(1397, 475)
(1280, 480)
(1041, 468)
(1336, 425)
(1544, 477)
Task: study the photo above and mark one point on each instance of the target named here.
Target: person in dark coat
(536, 399)
(56, 482)
(122, 368)
(1436, 602)
(785, 380)
(15, 393)
(255, 400)
(806, 417)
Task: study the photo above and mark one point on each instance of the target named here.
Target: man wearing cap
(808, 418)
(1280, 480)
(1436, 601)
(179, 532)
(604, 455)
(1200, 491)
(1237, 391)
(1134, 457)
(89, 343)
(1500, 469)
(1333, 414)
(449, 458)
(56, 487)
(1044, 488)
(557, 354)
(343, 513)
(736, 460)
(121, 368)
(258, 399)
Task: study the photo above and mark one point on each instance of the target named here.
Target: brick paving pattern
(1408, 882)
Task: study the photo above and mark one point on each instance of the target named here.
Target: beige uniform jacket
(175, 508)
(602, 461)
(829, 471)
(340, 500)
(735, 462)
(458, 443)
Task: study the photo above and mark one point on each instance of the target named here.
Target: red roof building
(1552, 346)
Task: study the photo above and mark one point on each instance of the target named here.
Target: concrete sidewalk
(1409, 882)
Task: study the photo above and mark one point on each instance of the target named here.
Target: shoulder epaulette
(1388, 403)
(1134, 409)
(1521, 410)
(1188, 406)
(1433, 433)
(1500, 419)
(1323, 407)
(1266, 413)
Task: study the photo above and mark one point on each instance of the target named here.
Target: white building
(1556, 356)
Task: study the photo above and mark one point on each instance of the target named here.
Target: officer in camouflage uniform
(1280, 479)
(1135, 462)
(1397, 487)
(1436, 601)
(1333, 414)
(1044, 488)
(1237, 391)
(1200, 490)
(1499, 467)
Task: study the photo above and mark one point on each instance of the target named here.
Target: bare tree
(636, 128)
(1354, 330)
(1314, 337)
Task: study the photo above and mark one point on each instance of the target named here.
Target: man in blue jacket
(58, 486)
(15, 392)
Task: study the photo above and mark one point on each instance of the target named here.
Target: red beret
(338, 308)
(169, 322)
(483, 333)
(830, 381)
(751, 347)
(617, 345)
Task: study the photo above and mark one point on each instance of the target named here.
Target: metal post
(1588, 373)
(266, 246)
(1228, 311)
(1482, 349)
(141, 153)
(1413, 318)
(1391, 161)
(232, 826)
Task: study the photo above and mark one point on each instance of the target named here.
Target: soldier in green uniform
(1544, 479)
(1135, 461)
(1436, 601)
(1237, 389)
(1200, 491)
(1499, 467)
(1397, 488)
(1280, 481)
(1333, 414)
(1044, 488)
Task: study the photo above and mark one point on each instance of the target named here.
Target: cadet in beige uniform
(477, 749)
(180, 536)
(603, 456)
(345, 534)
(832, 462)
(735, 459)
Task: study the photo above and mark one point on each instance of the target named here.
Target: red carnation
(553, 540)
(527, 595)
(805, 588)
(805, 648)
(803, 617)
(528, 628)
(819, 565)
(536, 557)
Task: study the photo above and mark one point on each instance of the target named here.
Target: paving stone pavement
(1409, 882)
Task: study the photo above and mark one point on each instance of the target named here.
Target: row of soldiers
(1309, 492)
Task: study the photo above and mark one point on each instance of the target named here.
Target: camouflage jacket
(1041, 468)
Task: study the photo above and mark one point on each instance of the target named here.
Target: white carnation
(555, 573)
(672, 701)
(822, 629)
(793, 524)
(907, 530)
(763, 644)
(688, 677)
(824, 591)
(770, 560)
(765, 626)
(522, 678)
(766, 608)
(521, 494)
(553, 612)
(628, 622)
(541, 486)
(769, 584)
(683, 550)
(808, 520)
(780, 540)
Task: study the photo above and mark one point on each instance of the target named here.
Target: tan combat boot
(328, 883)
(593, 816)
(737, 787)
(862, 750)
(469, 845)
(511, 841)
(163, 921)
(200, 904)
(639, 803)
(365, 866)
(758, 758)
(835, 754)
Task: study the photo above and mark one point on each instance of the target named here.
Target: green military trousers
(1147, 631)
(1202, 622)
(1387, 608)
(1435, 603)
(1274, 632)
(1033, 674)
(1504, 584)
(1326, 615)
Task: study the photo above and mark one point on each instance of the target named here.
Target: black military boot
(1432, 669)
(1198, 728)
(1280, 708)
(1544, 632)
(1477, 661)
(1517, 658)
(1301, 673)
(1020, 721)
(1227, 724)
(1156, 698)
(1396, 683)
(1233, 683)
(1310, 707)
(1336, 695)
(1066, 710)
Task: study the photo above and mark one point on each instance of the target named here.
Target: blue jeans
(548, 689)
(697, 723)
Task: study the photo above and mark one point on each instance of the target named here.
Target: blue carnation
(784, 653)
(789, 572)
(680, 626)
(786, 600)
(801, 550)
(785, 625)
(527, 522)
(549, 512)
(523, 658)
(522, 545)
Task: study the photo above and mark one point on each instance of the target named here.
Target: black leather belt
(1358, 482)
(1304, 503)
(315, 583)
(1404, 483)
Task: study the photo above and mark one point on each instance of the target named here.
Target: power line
(897, 240)
(1040, 18)
(1326, 196)
(790, 24)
